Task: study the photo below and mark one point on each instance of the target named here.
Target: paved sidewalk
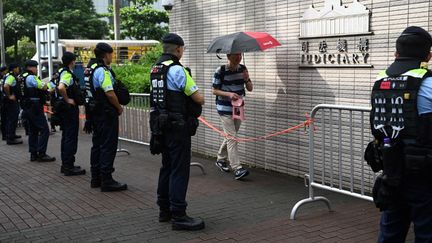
(38, 204)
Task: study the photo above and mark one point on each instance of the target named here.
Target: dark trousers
(3, 119)
(104, 149)
(12, 113)
(38, 128)
(69, 141)
(413, 205)
(174, 173)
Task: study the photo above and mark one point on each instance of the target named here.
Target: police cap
(12, 66)
(172, 38)
(414, 42)
(31, 63)
(3, 68)
(104, 47)
(68, 57)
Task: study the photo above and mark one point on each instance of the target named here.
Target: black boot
(46, 158)
(164, 215)
(33, 157)
(180, 221)
(14, 141)
(110, 185)
(95, 182)
(62, 168)
(73, 171)
(17, 136)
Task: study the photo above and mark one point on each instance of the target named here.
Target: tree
(76, 19)
(140, 21)
(16, 27)
(26, 49)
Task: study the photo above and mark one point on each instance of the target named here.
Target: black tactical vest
(74, 90)
(162, 99)
(32, 94)
(394, 107)
(15, 90)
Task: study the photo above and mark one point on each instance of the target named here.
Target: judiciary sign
(335, 36)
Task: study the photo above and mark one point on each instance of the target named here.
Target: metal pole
(2, 43)
(38, 50)
(50, 61)
(116, 19)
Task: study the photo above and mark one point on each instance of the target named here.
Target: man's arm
(7, 91)
(248, 82)
(231, 95)
(63, 92)
(112, 98)
(198, 98)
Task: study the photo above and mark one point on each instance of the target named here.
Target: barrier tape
(48, 111)
(304, 124)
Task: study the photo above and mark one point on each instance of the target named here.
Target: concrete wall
(283, 91)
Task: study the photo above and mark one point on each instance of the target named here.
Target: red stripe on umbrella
(264, 40)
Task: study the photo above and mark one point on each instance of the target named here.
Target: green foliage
(26, 49)
(141, 21)
(76, 19)
(137, 76)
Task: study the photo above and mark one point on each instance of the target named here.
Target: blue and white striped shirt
(233, 81)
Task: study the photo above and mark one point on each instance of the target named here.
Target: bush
(137, 76)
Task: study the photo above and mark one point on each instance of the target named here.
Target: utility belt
(398, 162)
(176, 124)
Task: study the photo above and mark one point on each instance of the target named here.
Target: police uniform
(11, 107)
(3, 71)
(105, 126)
(33, 102)
(70, 118)
(401, 122)
(173, 123)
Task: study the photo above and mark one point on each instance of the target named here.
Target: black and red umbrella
(242, 42)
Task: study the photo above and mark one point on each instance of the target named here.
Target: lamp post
(2, 43)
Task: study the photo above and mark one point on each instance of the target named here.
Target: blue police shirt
(178, 80)
(34, 82)
(424, 99)
(103, 78)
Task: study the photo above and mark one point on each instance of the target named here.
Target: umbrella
(241, 42)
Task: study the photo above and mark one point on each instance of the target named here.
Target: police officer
(175, 105)
(3, 71)
(106, 121)
(401, 121)
(12, 94)
(68, 89)
(33, 102)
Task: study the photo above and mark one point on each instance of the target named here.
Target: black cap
(12, 66)
(414, 42)
(104, 47)
(172, 38)
(31, 63)
(3, 68)
(68, 57)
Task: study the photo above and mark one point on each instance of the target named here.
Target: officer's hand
(120, 111)
(12, 97)
(71, 102)
(234, 96)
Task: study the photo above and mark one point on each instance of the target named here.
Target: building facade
(331, 52)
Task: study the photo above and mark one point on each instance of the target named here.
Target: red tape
(305, 124)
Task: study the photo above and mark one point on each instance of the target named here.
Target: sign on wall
(335, 36)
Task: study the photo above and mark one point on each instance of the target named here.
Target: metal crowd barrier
(134, 124)
(336, 155)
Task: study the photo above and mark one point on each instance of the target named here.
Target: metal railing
(134, 124)
(336, 157)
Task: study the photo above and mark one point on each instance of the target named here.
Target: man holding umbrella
(229, 83)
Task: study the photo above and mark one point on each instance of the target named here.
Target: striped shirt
(229, 81)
